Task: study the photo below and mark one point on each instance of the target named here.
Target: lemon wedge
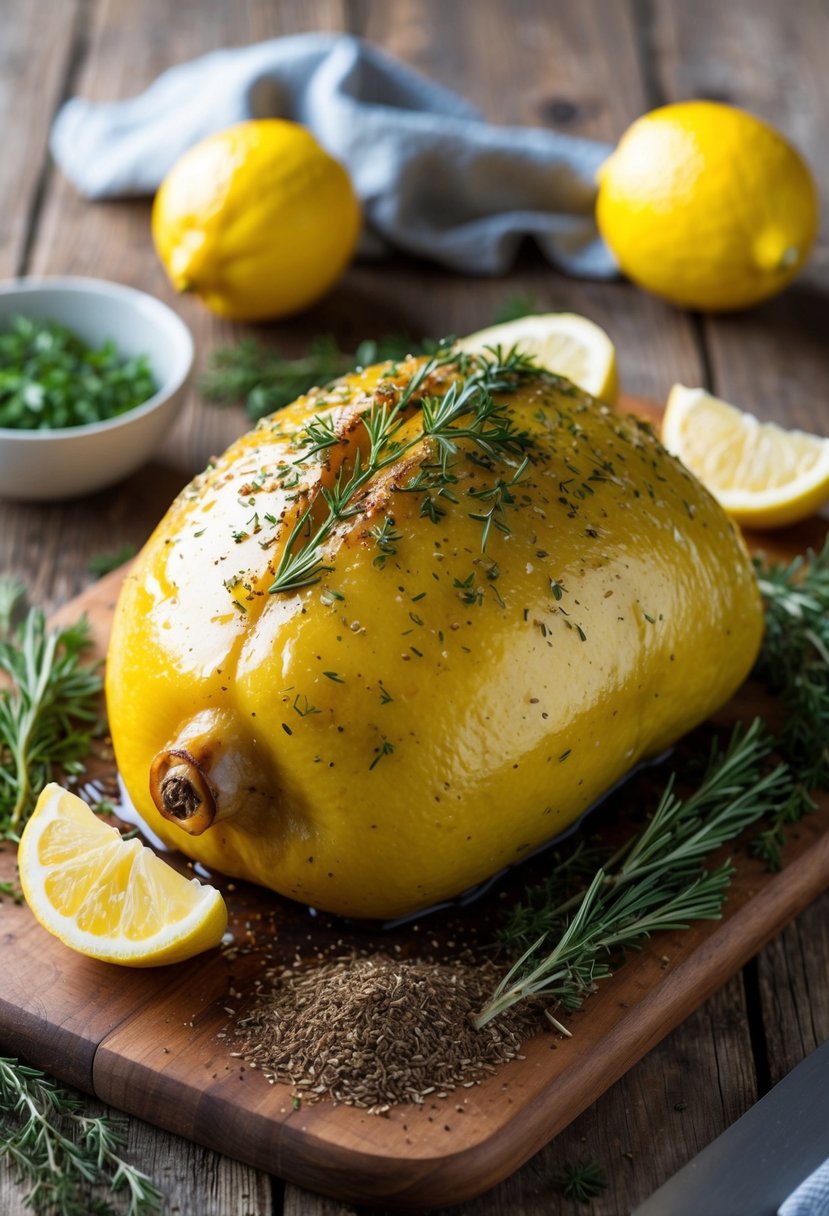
(107, 897)
(764, 476)
(562, 342)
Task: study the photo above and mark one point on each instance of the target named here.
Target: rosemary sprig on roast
(466, 411)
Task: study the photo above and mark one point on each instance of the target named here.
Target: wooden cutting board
(148, 1042)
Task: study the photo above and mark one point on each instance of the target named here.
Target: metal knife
(753, 1166)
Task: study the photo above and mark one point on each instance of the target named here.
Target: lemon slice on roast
(107, 897)
(562, 342)
(764, 476)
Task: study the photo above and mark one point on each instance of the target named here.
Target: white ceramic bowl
(66, 463)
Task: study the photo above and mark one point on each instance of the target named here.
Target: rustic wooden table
(586, 69)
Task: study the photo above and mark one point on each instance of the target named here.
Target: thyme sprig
(63, 1152)
(467, 411)
(266, 381)
(655, 881)
(49, 707)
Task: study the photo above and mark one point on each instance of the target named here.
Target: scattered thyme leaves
(467, 411)
(385, 537)
(387, 749)
(63, 1153)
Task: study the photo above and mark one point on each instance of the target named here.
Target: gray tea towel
(434, 178)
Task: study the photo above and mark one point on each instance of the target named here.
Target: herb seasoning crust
(408, 629)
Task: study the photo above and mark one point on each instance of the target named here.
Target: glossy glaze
(395, 733)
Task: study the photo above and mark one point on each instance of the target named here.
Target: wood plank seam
(78, 50)
(643, 17)
(757, 1036)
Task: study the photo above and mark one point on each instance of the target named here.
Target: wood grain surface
(586, 69)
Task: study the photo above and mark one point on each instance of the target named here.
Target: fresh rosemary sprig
(794, 660)
(49, 710)
(63, 1152)
(654, 881)
(266, 381)
(467, 411)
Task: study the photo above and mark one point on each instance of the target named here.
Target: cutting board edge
(462, 1175)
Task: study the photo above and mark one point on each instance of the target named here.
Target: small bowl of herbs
(92, 375)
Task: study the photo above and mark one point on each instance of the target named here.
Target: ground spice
(374, 1032)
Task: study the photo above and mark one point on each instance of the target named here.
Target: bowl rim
(183, 341)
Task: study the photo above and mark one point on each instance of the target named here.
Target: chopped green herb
(50, 379)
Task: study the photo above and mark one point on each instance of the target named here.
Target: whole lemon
(258, 220)
(706, 205)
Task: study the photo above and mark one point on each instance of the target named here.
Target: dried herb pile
(373, 1032)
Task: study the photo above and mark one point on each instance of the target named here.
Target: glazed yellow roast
(408, 629)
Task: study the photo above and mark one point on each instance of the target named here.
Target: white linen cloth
(812, 1196)
(434, 178)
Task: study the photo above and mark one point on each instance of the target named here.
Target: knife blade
(753, 1166)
